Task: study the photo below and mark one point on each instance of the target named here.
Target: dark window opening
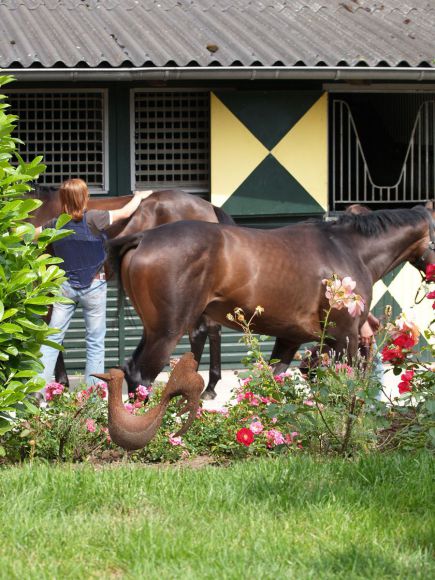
(382, 151)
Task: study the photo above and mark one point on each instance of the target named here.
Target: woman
(83, 258)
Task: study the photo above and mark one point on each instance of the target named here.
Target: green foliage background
(29, 276)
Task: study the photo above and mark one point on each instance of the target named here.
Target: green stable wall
(251, 202)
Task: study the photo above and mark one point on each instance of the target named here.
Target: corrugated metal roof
(203, 33)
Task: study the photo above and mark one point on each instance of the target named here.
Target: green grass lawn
(284, 518)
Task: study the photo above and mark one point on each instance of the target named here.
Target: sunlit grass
(284, 518)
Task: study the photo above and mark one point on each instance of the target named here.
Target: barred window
(382, 149)
(171, 139)
(68, 129)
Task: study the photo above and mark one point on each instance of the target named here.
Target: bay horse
(178, 271)
(161, 207)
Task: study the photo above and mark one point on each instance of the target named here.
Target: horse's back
(167, 206)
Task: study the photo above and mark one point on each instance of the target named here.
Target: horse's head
(426, 250)
(50, 207)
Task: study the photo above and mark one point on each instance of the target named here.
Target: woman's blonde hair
(74, 195)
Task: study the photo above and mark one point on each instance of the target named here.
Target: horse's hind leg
(283, 351)
(130, 367)
(214, 339)
(60, 373)
(197, 336)
(144, 368)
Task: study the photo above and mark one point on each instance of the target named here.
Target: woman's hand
(366, 334)
(143, 194)
(128, 209)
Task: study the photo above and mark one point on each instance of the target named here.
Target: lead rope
(422, 286)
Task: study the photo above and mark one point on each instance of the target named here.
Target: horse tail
(223, 217)
(117, 248)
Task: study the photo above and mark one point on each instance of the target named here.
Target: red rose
(404, 387)
(407, 376)
(392, 353)
(430, 273)
(404, 341)
(245, 436)
(431, 294)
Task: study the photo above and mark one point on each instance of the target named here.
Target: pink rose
(101, 390)
(274, 437)
(142, 393)
(90, 425)
(256, 427)
(175, 440)
(53, 390)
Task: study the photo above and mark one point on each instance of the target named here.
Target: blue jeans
(378, 372)
(93, 302)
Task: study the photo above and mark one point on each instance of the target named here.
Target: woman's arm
(130, 207)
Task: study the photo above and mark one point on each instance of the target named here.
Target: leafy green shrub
(29, 277)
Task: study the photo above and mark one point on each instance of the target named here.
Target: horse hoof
(208, 395)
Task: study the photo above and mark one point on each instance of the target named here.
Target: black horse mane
(377, 222)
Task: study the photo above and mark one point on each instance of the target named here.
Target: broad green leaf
(52, 344)
(48, 259)
(63, 219)
(5, 425)
(10, 207)
(9, 327)
(23, 279)
(25, 374)
(41, 300)
(12, 350)
(40, 310)
(25, 229)
(32, 325)
(30, 406)
(8, 313)
(49, 236)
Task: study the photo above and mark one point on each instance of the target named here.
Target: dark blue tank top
(82, 252)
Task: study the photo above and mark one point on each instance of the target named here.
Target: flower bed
(335, 408)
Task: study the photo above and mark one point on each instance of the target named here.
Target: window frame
(105, 187)
(195, 189)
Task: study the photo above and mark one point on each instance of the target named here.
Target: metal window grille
(171, 139)
(352, 181)
(67, 129)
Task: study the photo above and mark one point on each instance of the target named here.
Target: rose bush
(334, 409)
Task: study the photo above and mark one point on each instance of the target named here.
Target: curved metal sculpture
(135, 431)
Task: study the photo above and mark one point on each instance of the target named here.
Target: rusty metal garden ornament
(136, 431)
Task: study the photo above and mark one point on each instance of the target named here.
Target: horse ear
(430, 204)
(358, 209)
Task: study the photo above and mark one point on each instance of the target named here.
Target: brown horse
(161, 207)
(181, 270)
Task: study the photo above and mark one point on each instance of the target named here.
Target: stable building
(275, 111)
